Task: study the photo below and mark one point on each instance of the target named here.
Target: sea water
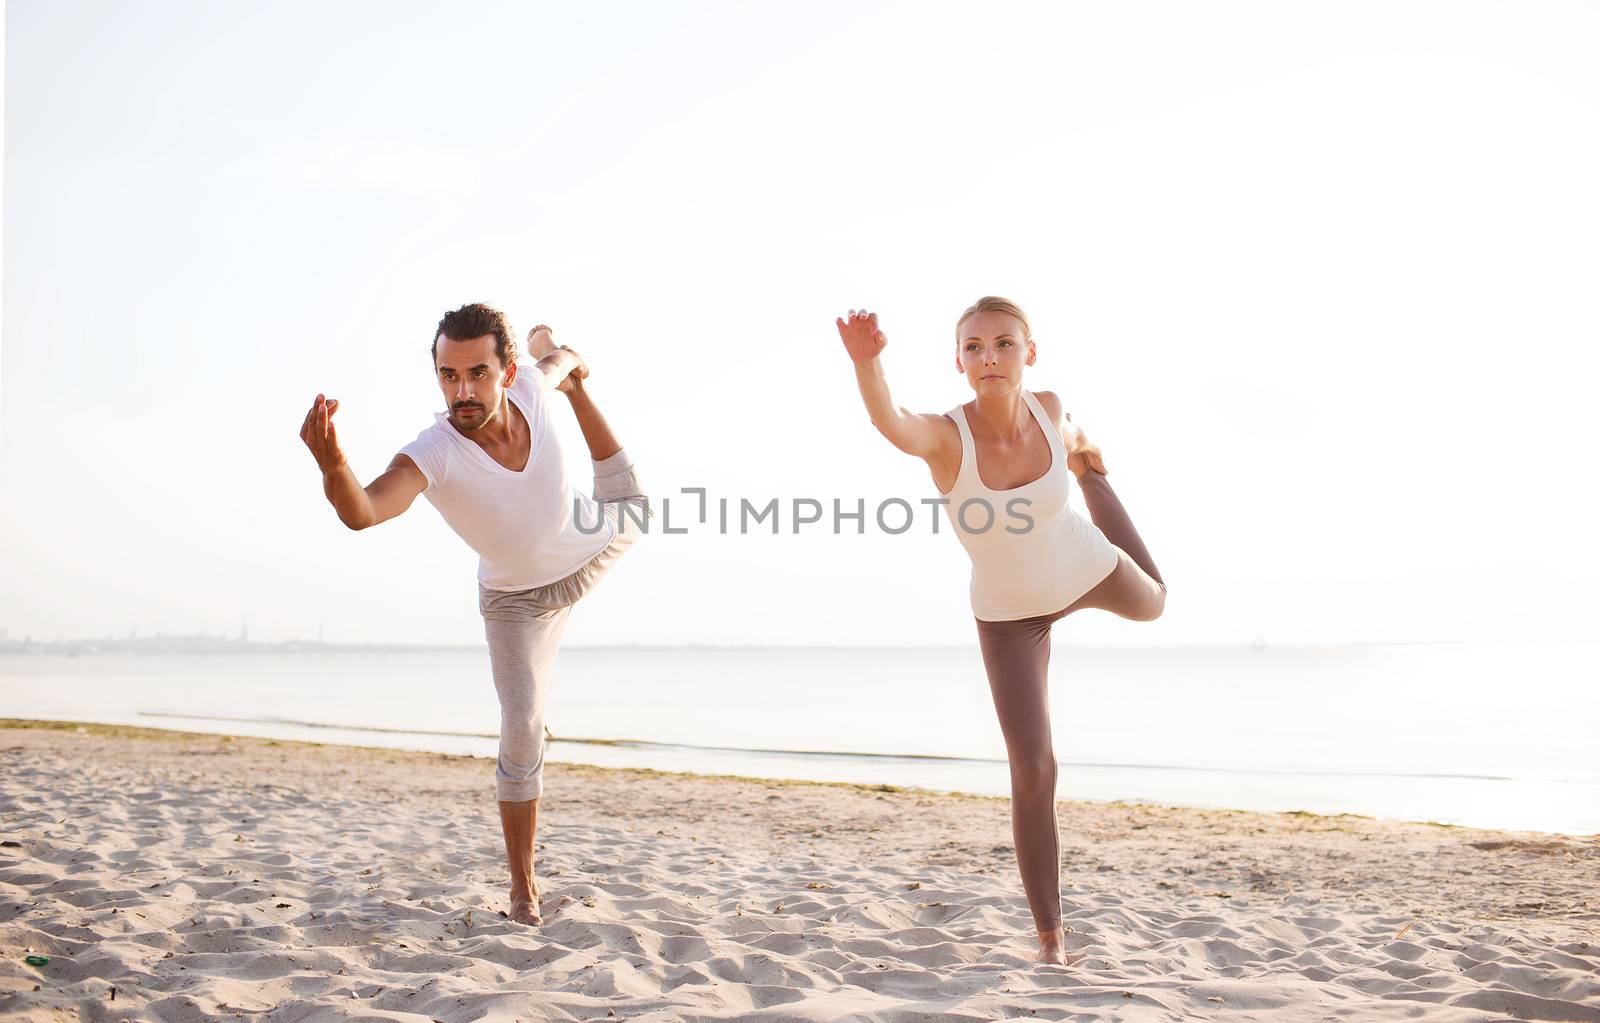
(1488, 735)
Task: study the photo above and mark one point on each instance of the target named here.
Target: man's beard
(476, 423)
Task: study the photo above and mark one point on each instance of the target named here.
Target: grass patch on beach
(171, 735)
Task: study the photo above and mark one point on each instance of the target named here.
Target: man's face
(472, 380)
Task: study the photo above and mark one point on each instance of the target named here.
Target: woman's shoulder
(1051, 403)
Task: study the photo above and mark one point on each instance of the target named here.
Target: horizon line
(312, 645)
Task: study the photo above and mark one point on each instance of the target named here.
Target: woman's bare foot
(525, 907)
(1052, 948)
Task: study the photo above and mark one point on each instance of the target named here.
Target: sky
(1319, 279)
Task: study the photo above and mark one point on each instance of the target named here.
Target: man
(492, 467)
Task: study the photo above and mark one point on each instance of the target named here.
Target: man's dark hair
(476, 320)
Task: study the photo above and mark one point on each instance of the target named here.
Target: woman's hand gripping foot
(1086, 459)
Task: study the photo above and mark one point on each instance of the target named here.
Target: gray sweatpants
(524, 631)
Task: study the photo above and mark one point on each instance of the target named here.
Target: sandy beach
(190, 877)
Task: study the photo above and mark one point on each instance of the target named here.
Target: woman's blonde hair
(995, 304)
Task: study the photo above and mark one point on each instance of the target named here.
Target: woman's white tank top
(1031, 554)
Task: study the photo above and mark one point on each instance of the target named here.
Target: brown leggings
(1016, 656)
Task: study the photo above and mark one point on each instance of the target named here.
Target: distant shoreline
(218, 645)
(381, 741)
(147, 733)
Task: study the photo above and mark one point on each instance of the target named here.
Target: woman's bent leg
(1016, 656)
(1134, 589)
(1127, 592)
(1106, 511)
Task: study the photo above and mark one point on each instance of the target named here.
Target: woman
(1001, 460)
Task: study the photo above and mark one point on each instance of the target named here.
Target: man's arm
(358, 507)
(597, 433)
(379, 501)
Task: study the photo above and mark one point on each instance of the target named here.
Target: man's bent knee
(517, 782)
(519, 769)
(508, 791)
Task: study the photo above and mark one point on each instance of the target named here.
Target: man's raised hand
(320, 436)
(861, 336)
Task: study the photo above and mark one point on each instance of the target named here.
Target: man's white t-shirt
(521, 524)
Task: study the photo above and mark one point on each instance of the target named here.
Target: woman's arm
(1081, 453)
(926, 436)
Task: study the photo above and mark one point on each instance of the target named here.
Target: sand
(184, 877)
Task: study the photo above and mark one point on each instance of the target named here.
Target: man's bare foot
(540, 342)
(525, 908)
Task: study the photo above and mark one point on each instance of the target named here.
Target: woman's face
(992, 352)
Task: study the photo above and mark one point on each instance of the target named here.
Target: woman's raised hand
(861, 336)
